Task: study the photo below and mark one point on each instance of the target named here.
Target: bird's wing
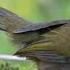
(48, 60)
(10, 15)
(45, 56)
(38, 26)
(20, 25)
(13, 21)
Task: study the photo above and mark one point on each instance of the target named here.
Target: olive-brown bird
(46, 43)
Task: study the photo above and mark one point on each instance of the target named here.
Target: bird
(46, 43)
(52, 52)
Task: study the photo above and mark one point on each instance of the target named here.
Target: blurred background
(36, 11)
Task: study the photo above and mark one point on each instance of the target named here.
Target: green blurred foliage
(6, 47)
(17, 65)
(39, 10)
